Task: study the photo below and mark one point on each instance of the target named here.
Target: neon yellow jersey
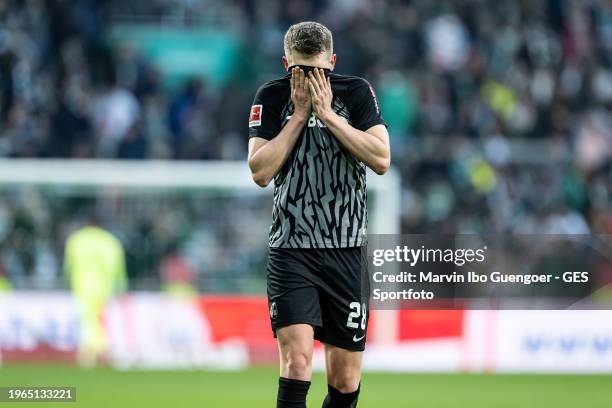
(5, 285)
(95, 263)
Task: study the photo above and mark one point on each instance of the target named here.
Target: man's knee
(298, 363)
(295, 346)
(346, 381)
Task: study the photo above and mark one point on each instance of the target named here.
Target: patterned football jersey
(320, 192)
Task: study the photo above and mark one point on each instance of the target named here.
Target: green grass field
(256, 388)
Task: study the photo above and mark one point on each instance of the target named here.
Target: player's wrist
(326, 115)
(301, 115)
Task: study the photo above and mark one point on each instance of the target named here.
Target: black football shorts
(325, 288)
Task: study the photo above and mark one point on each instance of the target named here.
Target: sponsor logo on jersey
(255, 116)
(313, 121)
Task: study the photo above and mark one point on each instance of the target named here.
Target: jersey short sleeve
(363, 106)
(265, 114)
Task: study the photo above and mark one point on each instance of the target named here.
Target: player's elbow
(262, 180)
(381, 165)
(259, 176)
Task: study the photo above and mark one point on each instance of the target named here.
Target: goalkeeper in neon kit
(94, 262)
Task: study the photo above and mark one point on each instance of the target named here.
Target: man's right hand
(266, 157)
(300, 93)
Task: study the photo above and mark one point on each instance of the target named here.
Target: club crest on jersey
(255, 116)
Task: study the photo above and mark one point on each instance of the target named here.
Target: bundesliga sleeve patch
(255, 116)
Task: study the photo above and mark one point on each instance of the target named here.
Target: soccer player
(94, 262)
(314, 132)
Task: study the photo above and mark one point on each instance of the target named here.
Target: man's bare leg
(295, 344)
(343, 370)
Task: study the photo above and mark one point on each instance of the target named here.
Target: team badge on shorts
(273, 311)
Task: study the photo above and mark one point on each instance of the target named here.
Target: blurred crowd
(170, 238)
(499, 112)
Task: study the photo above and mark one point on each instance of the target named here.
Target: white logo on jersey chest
(313, 121)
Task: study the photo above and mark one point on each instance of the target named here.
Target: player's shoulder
(273, 94)
(348, 83)
(274, 87)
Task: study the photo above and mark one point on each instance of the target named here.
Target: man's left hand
(321, 94)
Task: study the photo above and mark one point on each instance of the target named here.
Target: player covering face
(314, 132)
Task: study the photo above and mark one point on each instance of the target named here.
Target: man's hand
(371, 146)
(300, 94)
(266, 157)
(321, 93)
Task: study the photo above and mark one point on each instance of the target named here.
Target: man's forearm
(270, 157)
(368, 148)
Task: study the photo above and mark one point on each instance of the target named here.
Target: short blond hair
(308, 38)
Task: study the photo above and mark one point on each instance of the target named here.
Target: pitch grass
(255, 388)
